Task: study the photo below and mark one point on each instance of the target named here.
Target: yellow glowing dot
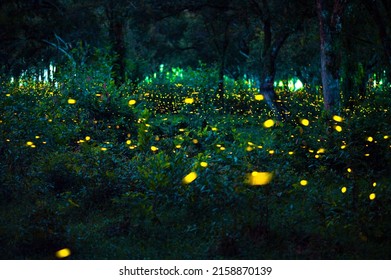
(128, 142)
(343, 190)
(214, 128)
(343, 147)
(386, 137)
(338, 128)
(29, 143)
(189, 178)
(367, 155)
(259, 97)
(304, 182)
(317, 156)
(337, 118)
(71, 101)
(63, 253)
(88, 138)
(372, 196)
(154, 149)
(103, 149)
(181, 129)
(37, 137)
(132, 147)
(195, 141)
(260, 178)
(370, 139)
(271, 152)
(250, 143)
(178, 146)
(249, 148)
(132, 102)
(204, 164)
(33, 146)
(305, 122)
(259, 147)
(321, 151)
(269, 123)
(349, 170)
(374, 184)
(189, 100)
(291, 153)
(222, 148)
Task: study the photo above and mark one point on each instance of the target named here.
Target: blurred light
(260, 178)
(189, 178)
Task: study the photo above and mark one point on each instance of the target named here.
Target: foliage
(163, 170)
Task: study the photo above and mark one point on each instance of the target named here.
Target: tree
(330, 24)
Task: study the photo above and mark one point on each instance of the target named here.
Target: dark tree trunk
(330, 28)
(268, 70)
(116, 21)
(118, 42)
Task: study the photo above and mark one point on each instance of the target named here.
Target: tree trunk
(118, 42)
(268, 71)
(330, 27)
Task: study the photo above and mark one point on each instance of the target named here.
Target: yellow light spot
(189, 100)
(337, 118)
(269, 123)
(71, 101)
(343, 190)
(33, 146)
(291, 153)
(88, 138)
(204, 164)
(305, 122)
(374, 184)
(370, 139)
(386, 137)
(189, 178)
(103, 149)
(157, 138)
(63, 253)
(260, 178)
(259, 97)
(343, 147)
(214, 128)
(311, 151)
(372, 196)
(249, 148)
(178, 146)
(195, 141)
(367, 155)
(154, 149)
(128, 142)
(181, 130)
(321, 151)
(349, 170)
(132, 102)
(259, 147)
(222, 148)
(29, 143)
(37, 137)
(250, 143)
(304, 182)
(317, 156)
(271, 152)
(338, 128)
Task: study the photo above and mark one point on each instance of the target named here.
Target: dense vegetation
(167, 171)
(151, 129)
